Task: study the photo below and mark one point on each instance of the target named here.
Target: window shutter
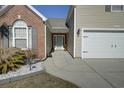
(5, 33)
(107, 8)
(34, 39)
(30, 37)
(10, 36)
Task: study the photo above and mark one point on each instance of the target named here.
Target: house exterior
(22, 26)
(97, 31)
(90, 31)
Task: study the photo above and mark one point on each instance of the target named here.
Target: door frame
(83, 30)
(64, 41)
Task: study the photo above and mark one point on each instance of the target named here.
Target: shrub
(11, 59)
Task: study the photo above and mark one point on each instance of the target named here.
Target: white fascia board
(37, 12)
(121, 29)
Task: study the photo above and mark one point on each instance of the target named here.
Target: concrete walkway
(90, 73)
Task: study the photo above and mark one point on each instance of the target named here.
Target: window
(117, 8)
(21, 35)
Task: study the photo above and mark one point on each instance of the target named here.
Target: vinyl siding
(95, 16)
(48, 41)
(70, 35)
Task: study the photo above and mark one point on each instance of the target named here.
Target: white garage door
(103, 45)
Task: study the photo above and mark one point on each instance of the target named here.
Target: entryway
(59, 42)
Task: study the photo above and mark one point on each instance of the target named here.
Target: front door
(59, 42)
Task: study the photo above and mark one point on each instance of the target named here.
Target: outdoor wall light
(78, 32)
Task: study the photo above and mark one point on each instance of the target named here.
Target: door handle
(115, 45)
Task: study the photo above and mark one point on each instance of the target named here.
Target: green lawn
(43, 80)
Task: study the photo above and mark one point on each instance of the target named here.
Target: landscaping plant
(11, 59)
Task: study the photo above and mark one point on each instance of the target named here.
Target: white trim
(45, 41)
(74, 31)
(27, 37)
(13, 37)
(30, 37)
(37, 12)
(102, 28)
(82, 30)
(13, 34)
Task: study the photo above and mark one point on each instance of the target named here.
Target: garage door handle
(85, 51)
(112, 46)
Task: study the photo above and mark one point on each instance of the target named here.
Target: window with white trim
(21, 35)
(117, 8)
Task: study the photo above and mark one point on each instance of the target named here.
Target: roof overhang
(62, 30)
(56, 29)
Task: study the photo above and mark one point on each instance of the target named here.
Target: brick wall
(31, 19)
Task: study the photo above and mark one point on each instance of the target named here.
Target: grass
(43, 80)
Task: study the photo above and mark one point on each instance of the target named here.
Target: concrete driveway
(88, 73)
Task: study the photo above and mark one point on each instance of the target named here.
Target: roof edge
(70, 12)
(37, 12)
(30, 7)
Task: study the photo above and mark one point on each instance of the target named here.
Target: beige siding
(48, 41)
(70, 35)
(94, 16)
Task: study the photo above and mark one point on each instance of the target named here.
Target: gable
(31, 8)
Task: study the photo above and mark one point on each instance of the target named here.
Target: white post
(74, 31)
(13, 37)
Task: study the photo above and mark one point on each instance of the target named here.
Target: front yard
(43, 80)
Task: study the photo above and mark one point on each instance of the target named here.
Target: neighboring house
(96, 31)
(22, 26)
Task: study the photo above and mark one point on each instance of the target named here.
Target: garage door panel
(103, 45)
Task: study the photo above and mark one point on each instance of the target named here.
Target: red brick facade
(31, 19)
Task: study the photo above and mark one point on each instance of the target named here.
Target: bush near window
(12, 58)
